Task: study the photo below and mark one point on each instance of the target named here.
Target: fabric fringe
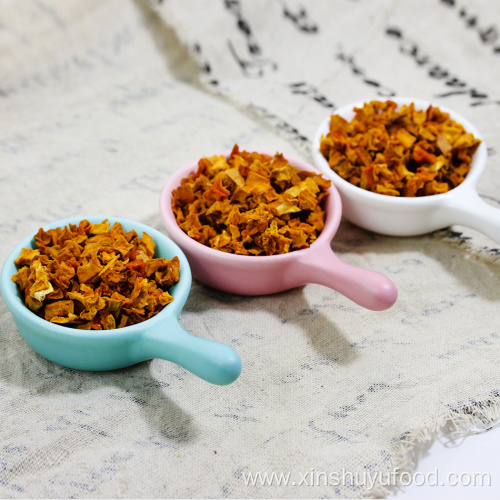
(490, 255)
(458, 422)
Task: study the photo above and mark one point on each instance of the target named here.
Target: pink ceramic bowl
(262, 275)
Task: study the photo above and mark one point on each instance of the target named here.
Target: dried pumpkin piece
(42, 285)
(61, 274)
(60, 311)
(108, 322)
(89, 269)
(22, 277)
(251, 204)
(399, 152)
(89, 276)
(90, 299)
(99, 227)
(27, 256)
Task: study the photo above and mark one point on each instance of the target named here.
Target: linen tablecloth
(100, 101)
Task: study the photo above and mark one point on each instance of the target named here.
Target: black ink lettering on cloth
(304, 88)
(488, 35)
(360, 73)
(437, 72)
(202, 63)
(300, 19)
(279, 124)
(253, 67)
(234, 7)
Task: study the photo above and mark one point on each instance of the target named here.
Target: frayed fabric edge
(490, 255)
(458, 422)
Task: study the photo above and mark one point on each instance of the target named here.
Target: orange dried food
(399, 152)
(251, 204)
(90, 276)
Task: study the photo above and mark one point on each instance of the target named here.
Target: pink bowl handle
(367, 288)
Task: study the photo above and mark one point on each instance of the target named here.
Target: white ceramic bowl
(399, 216)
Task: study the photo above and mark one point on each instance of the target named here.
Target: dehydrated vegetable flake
(251, 204)
(89, 276)
(399, 152)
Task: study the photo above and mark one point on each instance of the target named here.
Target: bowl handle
(366, 288)
(212, 361)
(470, 210)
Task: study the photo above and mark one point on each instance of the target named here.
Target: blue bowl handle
(212, 361)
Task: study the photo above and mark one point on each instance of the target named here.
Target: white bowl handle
(470, 210)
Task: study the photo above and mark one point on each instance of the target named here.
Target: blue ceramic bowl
(158, 337)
